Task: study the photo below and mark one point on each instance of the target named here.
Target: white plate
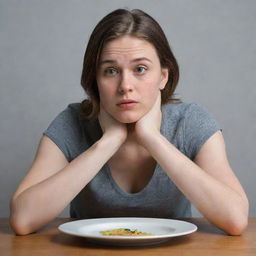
(162, 230)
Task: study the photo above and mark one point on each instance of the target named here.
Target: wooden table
(207, 241)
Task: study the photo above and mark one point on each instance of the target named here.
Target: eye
(141, 69)
(110, 71)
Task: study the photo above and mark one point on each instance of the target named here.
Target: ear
(164, 78)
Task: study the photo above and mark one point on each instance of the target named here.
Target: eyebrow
(132, 61)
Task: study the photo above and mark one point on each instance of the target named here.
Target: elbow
(19, 226)
(237, 228)
(237, 222)
(19, 222)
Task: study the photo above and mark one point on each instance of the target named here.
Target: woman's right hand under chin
(111, 127)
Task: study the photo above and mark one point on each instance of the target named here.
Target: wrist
(148, 139)
(112, 139)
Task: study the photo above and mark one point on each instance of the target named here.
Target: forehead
(128, 46)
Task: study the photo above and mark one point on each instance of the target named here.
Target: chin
(127, 119)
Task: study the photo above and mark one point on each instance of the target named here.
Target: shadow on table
(75, 241)
(205, 227)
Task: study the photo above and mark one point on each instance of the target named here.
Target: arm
(52, 182)
(209, 182)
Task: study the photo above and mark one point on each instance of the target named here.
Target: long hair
(116, 24)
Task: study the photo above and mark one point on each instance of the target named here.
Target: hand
(111, 127)
(149, 124)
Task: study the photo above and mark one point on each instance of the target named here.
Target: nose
(125, 84)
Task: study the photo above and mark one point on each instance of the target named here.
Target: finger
(158, 99)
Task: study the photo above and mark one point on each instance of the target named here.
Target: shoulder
(187, 112)
(67, 121)
(194, 124)
(183, 109)
(66, 129)
(73, 110)
(71, 116)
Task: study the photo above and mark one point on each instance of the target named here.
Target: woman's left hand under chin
(149, 125)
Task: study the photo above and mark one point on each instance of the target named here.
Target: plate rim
(62, 227)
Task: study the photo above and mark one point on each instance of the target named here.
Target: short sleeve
(64, 131)
(199, 126)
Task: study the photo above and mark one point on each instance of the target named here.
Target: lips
(127, 103)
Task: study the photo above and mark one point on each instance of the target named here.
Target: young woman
(131, 148)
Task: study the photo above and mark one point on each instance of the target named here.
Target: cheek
(153, 81)
(150, 92)
(106, 98)
(104, 92)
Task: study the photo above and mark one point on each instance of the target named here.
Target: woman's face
(129, 78)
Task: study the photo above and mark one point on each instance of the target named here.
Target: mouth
(127, 104)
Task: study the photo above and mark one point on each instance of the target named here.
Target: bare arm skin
(209, 182)
(52, 182)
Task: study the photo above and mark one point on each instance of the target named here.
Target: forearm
(220, 204)
(42, 202)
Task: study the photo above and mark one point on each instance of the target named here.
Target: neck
(131, 137)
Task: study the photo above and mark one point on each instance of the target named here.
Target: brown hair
(116, 24)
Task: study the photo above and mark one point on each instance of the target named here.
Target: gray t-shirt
(187, 126)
